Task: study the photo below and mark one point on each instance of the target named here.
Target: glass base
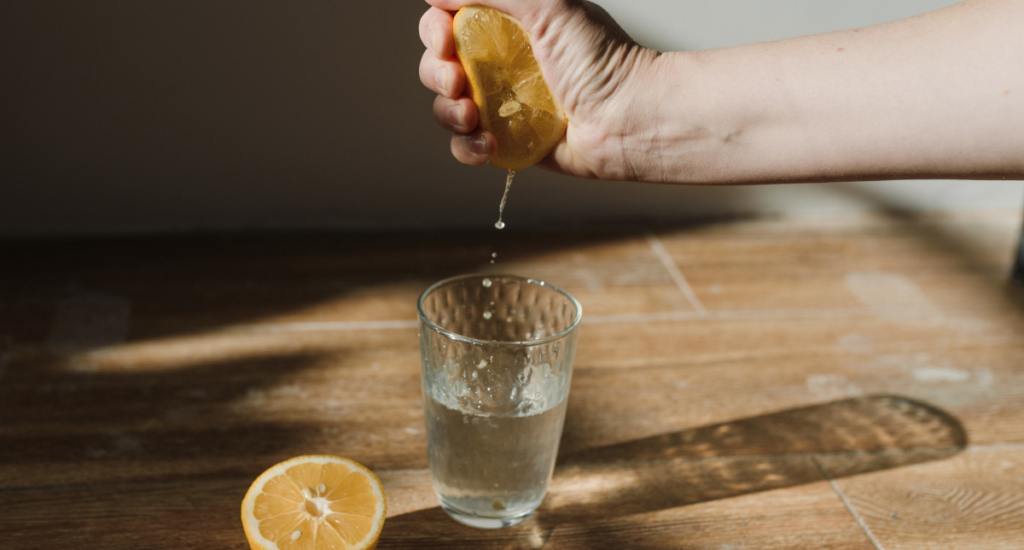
(480, 522)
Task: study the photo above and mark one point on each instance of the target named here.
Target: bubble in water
(487, 283)
(483, 363)
(487, 315)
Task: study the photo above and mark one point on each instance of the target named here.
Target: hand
(595, 70)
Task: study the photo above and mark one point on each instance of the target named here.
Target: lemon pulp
(506, 83)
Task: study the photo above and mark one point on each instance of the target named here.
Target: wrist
(683, 131)
(618, 145)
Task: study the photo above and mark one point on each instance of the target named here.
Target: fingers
(441, 73)
(444, 78)
(515, 8)
(436, 33)
(476, 148)
(456, 115)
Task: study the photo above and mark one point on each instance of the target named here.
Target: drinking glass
(497, 354)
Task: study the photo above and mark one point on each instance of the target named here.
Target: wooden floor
(845, 383)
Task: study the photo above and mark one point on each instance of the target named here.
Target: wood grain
(956, 263)
(186, 284)
(973, 500)
(147, 381)
(771, 520)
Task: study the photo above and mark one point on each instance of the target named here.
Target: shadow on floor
(949, 242)
(592, 488)
(108, 426)
(179, 285)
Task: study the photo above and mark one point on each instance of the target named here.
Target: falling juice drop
(501, 208)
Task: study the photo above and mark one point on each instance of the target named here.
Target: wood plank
(195, 514)
(236, 402)
(204, 513)
(210, 405)
(808, 516)
(700, 372)
(184, 284)
(683, 428)
(972, 500)
(953, 264)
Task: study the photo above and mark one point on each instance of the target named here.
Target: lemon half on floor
(314, 502)
(505, 81)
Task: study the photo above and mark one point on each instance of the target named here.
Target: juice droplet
(501, 208)
(487, 283)
(487, 315)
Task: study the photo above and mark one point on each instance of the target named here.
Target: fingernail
(435, 43)
(441, 81)
(479, 145)
(455, 115)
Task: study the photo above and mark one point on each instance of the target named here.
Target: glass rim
(498, 343)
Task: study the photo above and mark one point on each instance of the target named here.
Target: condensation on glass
(497, 353)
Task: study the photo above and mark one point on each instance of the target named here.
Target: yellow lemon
(314, 502)
(506, 83)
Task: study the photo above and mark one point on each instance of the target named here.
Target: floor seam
(677, 275)
(849, 505)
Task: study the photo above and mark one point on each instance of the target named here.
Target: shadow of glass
(773, 451)
(841, 438)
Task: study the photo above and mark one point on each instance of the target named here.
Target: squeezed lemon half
(505, 81)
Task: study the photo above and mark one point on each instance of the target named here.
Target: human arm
(940, 95)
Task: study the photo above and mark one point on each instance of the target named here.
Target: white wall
(127, 116)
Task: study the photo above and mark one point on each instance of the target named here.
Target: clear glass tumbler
(497, 355)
